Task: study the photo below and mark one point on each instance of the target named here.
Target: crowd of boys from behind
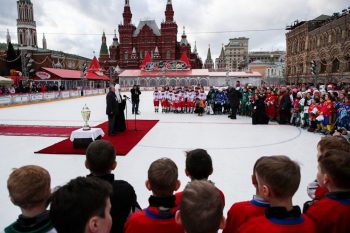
(98, 203)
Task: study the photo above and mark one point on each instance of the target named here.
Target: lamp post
(83, 77)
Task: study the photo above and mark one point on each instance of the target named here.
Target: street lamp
(83, 68)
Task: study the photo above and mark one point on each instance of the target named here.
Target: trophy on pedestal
(85, 113)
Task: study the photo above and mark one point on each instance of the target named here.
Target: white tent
(5, 81)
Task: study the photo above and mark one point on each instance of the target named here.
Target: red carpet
(37, 130)
(123, 142)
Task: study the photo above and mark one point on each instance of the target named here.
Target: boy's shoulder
(37, 228)
(146, 221)
(329, 204)
(274, 225)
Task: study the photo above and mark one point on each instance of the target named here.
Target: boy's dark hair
(333, 142)
(281, 174)
(257, 162)
(100, 156)
(199, 164)
(201, 207)
(162, 176)
(336, 164)
(75, 203)
(29, 186)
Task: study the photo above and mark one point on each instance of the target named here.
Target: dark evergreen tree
(12, 58)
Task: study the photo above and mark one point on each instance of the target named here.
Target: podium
(82, 138)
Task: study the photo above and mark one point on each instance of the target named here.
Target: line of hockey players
(323, 110)
(178, 99)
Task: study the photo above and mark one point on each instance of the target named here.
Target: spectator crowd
(100, 203)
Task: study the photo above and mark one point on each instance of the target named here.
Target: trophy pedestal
(83, 142)
(82, 138)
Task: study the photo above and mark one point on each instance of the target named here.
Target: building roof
(321, 18)
(74, 74)
(150, 23)
(186, 73)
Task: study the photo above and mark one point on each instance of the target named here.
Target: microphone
(126, 97)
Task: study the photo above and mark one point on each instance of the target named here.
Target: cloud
(76, 26)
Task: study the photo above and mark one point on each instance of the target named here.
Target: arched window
(347, 58)
(204, 82)
(162, 82)
(153, 82)
(193, 82)
(182, 82)
(143, 83)
(172, 82)
(126, 55)
(323, 66)
(168, 54)
(335, 66)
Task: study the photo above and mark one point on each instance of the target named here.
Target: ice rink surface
(234, 146)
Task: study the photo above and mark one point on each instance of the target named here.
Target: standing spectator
(259, 110)
(135, 99)
(284, 106)
(234, 97)
(201, 209)
(100, 160)
(241, 212)
(29, 189)
(199, 166)
(278, 178)
(111, 108)
(331, 214)
(159, 216)
(82, 206)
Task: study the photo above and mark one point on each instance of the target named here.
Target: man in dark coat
(234, 97)
(135, 99)
(284, 106)
(111, 109)
(259, 115)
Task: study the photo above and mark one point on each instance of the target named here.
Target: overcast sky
(76, 26)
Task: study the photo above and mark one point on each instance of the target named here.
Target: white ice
(234, 146)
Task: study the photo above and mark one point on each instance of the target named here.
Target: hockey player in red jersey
(278, 179)
(159, 216)
(332, 213)
(156, 98)
(242, 212)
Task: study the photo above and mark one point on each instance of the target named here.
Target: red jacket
(150, 220)
(332, 213)
(242, 212)
(279, 221)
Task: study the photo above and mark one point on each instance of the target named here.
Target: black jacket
(234, 97)
(111, 102)
(135, 95)
(123, 200)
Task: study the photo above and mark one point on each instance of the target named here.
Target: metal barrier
(44, 96)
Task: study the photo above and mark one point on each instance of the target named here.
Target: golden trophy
(85, 113)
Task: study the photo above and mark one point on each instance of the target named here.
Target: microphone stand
(128, 99)
(126, 112)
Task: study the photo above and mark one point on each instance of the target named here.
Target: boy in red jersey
(332, 213)
(278, 179)
(201, 209)
(199, 166)
(241, 212)
(156, 98)
(314, 190)
(159, 216)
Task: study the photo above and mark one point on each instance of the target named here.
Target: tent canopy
(5, 81)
